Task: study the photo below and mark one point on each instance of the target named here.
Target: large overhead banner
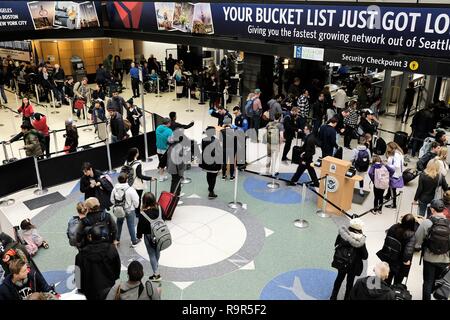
(417, 30)
(44, 15)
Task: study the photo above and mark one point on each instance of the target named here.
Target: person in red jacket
(26, 109)
(39, 122)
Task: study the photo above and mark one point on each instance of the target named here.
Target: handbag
(439, 193)
(79, 104)
(397, 183)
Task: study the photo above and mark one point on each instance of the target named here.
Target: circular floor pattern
(200, 236)
(302, 284)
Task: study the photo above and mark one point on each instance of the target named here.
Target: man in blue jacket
(134, 74)
(327, 137)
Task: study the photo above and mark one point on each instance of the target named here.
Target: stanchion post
(39, 191)
(189, 101)
(158, 95)
(146, 158)
(322, 212)
(235, 204)
(54, 103)
(37, 94)
(302, 223)
(5, 151)
(108, 153)
(54, 139)
(399, 203)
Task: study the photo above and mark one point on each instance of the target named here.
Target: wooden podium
(340, 187)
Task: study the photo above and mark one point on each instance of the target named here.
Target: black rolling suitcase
(296, 153)
(401, 138)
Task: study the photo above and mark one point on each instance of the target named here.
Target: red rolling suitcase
(168, 202)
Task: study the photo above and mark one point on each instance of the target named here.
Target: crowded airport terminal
(269, 150)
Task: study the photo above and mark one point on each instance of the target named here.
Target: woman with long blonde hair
(430, 180)
(442, 160)
(395, 160)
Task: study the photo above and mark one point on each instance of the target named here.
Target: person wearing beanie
(350, 251)
(433, 237)
(373, 287)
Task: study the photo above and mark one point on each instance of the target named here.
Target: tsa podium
(339, 185)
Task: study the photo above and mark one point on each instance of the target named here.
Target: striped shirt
(352, 119)
(303, 104)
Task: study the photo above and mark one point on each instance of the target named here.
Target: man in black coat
(211, 159)
(118, 131)
(373, 287)
(99, 266)
(221, 113)
(327, 137)
(174, 125)
(306, 158)
(117, 103)
(422, 125)
(290, 131)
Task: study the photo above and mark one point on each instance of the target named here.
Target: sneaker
(212, 195)
(224, 177)
(391, 206)
(134, 245)
(379, 212)
(374, 212)
(231, 178)
(155, 277)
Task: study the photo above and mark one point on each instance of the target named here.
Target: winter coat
(274, 108)
(117, 127)
(71, 138)
(208, 158)
(356, 240)
(327, 138)
(99, 265)
(35, 283)
(131, 196)
(427, 187)
(85, 184)
(130, 291)
(367, 126)
(371, 288)
(309, 148)
(408, 239)
(139, 176)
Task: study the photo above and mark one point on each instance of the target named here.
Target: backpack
(438, 238)
(381, 178)
(426, 147)
(72, 230)
(103, 224)
(401, 292)
(129, 170)
(249, 108)
(391, 251)
(119, 204)
(380, 146)
(344, 255)
(361, 162)
(106, 183)
(442, 285)
(423, 161)
(273, 134)
(160, 233)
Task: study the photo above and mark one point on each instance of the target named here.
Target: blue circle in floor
(257, 188)
(64, 281)
(301, 284)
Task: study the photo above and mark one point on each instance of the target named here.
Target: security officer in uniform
(240, 121)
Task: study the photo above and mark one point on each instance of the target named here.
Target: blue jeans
(153, 254)
(423, 208)
(130, 216)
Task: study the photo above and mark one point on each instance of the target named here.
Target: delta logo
(130, 13)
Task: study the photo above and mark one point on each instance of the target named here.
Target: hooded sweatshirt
(356, 152)
(130, 291)
(371, 288)
(131, 196)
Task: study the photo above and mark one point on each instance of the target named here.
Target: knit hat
(438, 205)
(357, 224)
(130, 101)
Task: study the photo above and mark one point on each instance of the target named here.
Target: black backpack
(103, 224)
(128, 169)
(401, 292)
(438, 239)
(362, 162)
(380, 146)
(391, 250)
(344, 255)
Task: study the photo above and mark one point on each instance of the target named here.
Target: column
(386, 95)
